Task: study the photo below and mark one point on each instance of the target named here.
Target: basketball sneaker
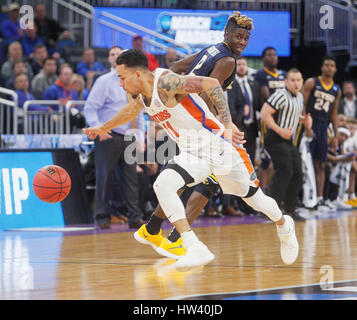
(351, 202)
(289, 246)
(197, 255)
(172, 250)
(144, 237)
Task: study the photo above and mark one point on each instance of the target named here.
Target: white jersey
(203, 147)
(190, 123)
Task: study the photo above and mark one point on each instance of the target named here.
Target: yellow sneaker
(354, 202)
(144, 237)
(173, 250)
(351, 202)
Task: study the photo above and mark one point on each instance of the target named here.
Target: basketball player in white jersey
(173, 102)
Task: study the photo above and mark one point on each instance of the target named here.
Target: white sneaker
(330, 205)
(342, 205)
(289, 246)
(196, 256)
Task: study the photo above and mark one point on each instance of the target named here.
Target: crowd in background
(33, 63)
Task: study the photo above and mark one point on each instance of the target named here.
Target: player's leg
(320, 178)
(166, 186)
(172, 246)
(319, 148)
(242, 182)
(289, 246)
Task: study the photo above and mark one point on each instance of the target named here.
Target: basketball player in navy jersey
(270, 79)
(217, 61)
(321, 99)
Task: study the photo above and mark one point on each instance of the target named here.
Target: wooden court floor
(112, 265)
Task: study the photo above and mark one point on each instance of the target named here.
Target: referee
(282, 113)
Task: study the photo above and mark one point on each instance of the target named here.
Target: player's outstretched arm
(128, 113)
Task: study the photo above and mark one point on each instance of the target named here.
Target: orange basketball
(51, 184)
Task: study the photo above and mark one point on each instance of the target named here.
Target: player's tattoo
(173, 82)
(220, 102)
(169, 82)
(193, 85)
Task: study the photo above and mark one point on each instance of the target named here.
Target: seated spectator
(77, 119)
(62, 89)
(137, 43)
(39, 56)
(45, 78)
(15, 53)
(18, 67)
(48, 29)
(170, 57)
(65, 40)
(339, 163)
(30, 40)
(78, 85)
(88, 65)
(10, 28)
(86, 91)
(348, 104)
(23, 93)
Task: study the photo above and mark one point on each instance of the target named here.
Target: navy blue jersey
(273, 81)
(204, 62)
(320, 102)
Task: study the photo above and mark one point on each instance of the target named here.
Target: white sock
(352, 196)
(284, 228)
(189, 239)
(319, 198)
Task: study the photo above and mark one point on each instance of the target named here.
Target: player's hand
(94, 132)
(234, 134)
(307, 121)
(286, 133)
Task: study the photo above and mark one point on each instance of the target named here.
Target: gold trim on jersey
(227, 45)
(273, 74)
(326, 87)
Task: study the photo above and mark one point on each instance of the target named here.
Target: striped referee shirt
(288, 108)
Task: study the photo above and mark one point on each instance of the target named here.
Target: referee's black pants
(287, 179)
(108, 154)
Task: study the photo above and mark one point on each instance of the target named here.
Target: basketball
(52, 184)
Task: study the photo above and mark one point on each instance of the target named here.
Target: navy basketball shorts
(319, 144)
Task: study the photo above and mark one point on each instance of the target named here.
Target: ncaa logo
(253, 176)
